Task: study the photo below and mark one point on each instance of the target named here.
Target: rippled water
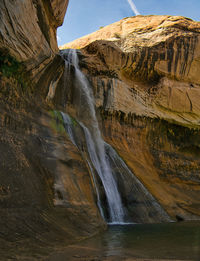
(171, 241)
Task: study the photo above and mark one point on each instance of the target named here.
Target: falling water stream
(96, 148)
(102, 158)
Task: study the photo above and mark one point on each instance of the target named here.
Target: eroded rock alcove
(145, 76)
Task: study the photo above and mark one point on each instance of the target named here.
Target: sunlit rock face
(155, 58)
(146, 81)
(28, 31)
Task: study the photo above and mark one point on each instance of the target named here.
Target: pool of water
(171, 241)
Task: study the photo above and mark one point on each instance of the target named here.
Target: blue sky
(86, 16)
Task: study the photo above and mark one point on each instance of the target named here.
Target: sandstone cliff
(28, 31)
(145, 76)
(37, 159)
(156, 58)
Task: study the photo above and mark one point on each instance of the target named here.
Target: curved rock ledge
(145, 75)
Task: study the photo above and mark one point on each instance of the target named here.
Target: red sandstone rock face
(145, 73)
(136, 81)
(152, 64)
(28, 30)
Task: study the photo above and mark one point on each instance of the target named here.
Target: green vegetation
(11, 68)
(57, 122)
(74, 121)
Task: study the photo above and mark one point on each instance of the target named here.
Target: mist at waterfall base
(120, 196)
(133, 7)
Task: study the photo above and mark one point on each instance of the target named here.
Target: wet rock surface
(38, 162)
(46, 194)
(146, 86)
(163, 156)
(144, 73)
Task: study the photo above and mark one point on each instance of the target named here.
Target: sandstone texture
(37, 160)
(145, 75)
(28, 31)
(156, 58)
(46, 194)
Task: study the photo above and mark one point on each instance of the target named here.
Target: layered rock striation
(156, 57)
(28, 31)
(145, 75)
(47, 198)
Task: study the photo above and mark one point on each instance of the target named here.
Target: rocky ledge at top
(152, 64)
(145, 74)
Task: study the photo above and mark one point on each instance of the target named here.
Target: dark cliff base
(37, 160)
(35, 152)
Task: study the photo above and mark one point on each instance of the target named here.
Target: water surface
(169, 241)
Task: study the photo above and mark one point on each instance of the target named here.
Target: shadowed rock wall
(47, 198)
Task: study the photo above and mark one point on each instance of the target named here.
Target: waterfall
(104, 162)
(68, 124)
(69, 127)
(150, 203)
(95, 143)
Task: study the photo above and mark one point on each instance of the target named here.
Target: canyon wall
(28, 31)
(145, 76)
(37, 159)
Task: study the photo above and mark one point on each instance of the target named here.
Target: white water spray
(104, 161)
(95, 143)
(133, 7)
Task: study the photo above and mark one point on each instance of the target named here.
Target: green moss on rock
(11, 68)
(57, 122)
